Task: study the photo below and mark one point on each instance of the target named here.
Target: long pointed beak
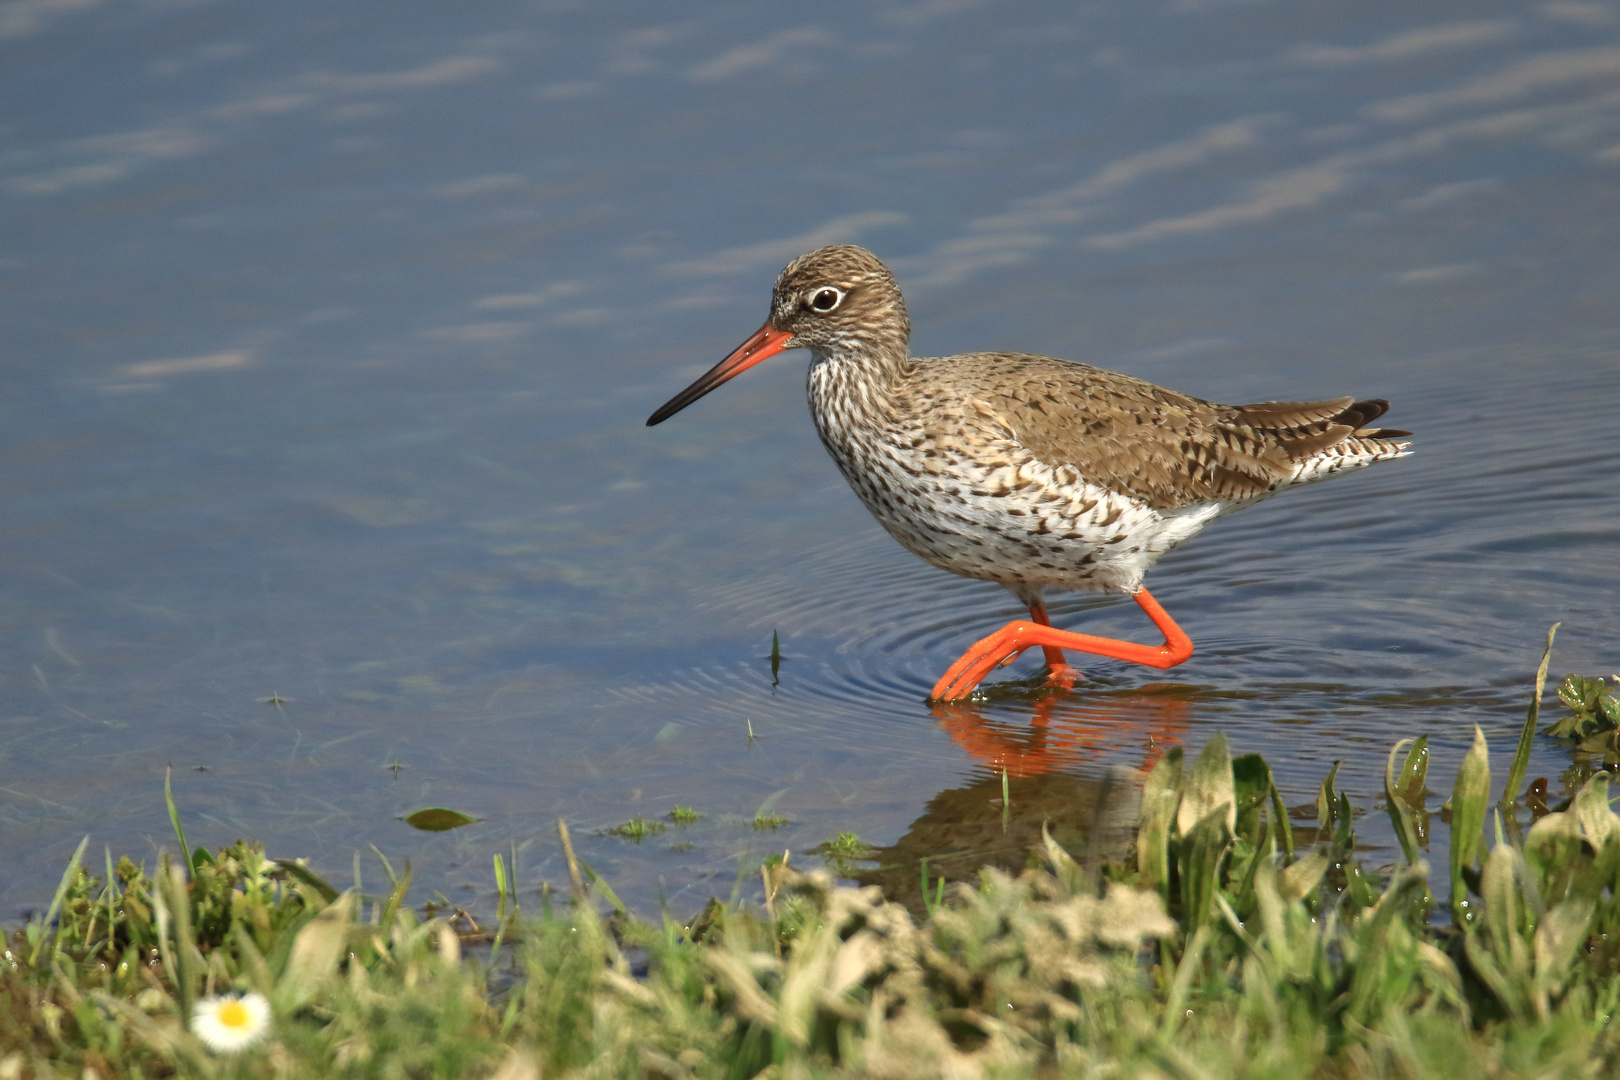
(766, 342)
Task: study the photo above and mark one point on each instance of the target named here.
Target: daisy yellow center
(234, 1015)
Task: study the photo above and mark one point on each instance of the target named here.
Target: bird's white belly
(1017, 521)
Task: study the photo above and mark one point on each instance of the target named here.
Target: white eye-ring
(824, 299)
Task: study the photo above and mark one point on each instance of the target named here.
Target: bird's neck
(856, 378)
(853, 395)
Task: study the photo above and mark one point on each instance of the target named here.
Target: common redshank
(1028, 471)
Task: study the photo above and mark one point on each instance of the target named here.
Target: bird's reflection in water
(1052, 768)
(1067, 730)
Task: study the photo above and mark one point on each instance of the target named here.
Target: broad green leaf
(1414, 773)
(1499, 950)
(1327, 800)
(1202, 851)
(1401, 814)
(316, 951)
(1159, 795)
(1468, 798)
(1208, 788)
(1598, 823)
(296, 870)
(1562, 934)
(1251, 778)
(1303, 877)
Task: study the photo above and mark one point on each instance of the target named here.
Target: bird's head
(835, 299)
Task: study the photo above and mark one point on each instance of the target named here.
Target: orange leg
(1015, 637)
(1060, 673)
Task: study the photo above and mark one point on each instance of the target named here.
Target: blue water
(330, 332)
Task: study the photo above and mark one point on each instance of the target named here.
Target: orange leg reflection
(1064, 732)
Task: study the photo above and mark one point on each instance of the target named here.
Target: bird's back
(1164, 449)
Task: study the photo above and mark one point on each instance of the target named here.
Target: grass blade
(1521, 756)
(174, 819)
(56, 901)
(393, 879)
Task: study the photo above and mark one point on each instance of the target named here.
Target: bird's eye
(825, 299)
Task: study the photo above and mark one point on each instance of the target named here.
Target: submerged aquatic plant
(636, 829)
(1594, 706)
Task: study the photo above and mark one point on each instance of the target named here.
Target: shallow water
(331, 334)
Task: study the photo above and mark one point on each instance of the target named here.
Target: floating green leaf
(438, 819)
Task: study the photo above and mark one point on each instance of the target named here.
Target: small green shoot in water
(685, 815)
(750, 732)
(937, 900)
(636, 829)
(768, 822)
(776, 657)
(1006, 801)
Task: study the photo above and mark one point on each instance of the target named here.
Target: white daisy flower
(229, 1023)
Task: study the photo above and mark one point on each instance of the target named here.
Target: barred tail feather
(1354, 452)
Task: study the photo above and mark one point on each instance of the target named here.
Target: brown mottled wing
(1164, 448)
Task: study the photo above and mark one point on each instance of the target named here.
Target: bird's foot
(1063, 676)
(1002, 647)
(1006, 644)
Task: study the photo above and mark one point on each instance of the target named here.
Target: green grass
(685, 815)
(1219, 945)
(768, 822)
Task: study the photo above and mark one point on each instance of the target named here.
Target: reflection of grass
(1218, 946)
(636, 829)
(684, 815)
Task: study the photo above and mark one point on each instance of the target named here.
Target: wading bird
(1028, 471)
